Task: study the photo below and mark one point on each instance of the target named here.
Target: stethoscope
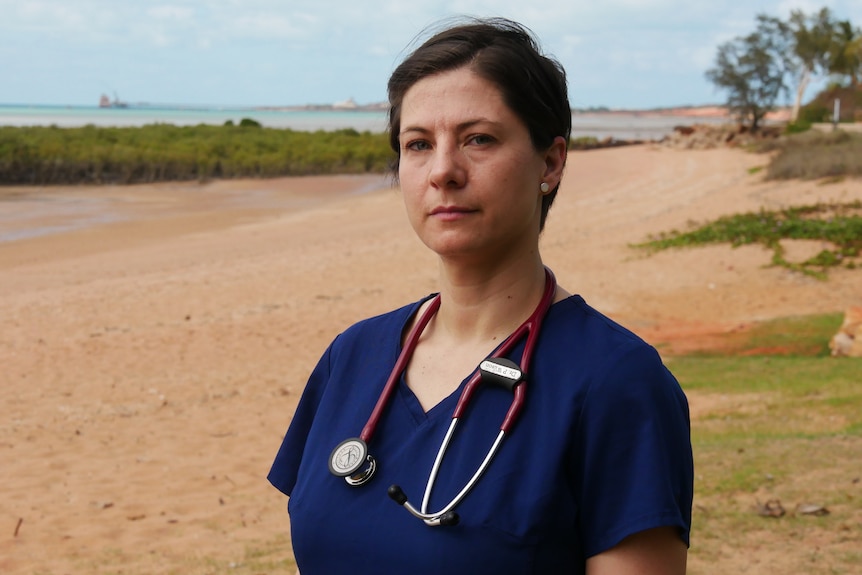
(352, 454)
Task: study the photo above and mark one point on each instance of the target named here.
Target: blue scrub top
(601, 451)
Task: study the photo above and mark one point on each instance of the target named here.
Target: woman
(595, 474)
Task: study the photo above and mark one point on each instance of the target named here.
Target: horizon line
(338, 106)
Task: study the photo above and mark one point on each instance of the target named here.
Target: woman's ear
(555, 161)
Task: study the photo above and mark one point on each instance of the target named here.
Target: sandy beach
(154, 348)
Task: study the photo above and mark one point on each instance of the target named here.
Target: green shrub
(814, 113)
(797, 127)
(160, 152)
(583, 143)
(837, 224)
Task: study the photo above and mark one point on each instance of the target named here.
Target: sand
(149, 364)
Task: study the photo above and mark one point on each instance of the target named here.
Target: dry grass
(813, 155)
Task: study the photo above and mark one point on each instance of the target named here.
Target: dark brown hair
(506, 54)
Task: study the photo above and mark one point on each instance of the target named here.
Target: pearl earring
(545, 187)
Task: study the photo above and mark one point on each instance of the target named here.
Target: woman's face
(469, 173)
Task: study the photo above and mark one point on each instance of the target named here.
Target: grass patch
(796, 335)
(776, 397)
(790, 375)
(786, 428)
(839, 224)
(785, 448)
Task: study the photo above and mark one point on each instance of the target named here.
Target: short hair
(505, 53)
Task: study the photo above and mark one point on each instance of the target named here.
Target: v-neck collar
(446, 406)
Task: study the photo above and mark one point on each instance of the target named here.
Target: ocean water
(634, 125)
(76, 116)
(622, 126)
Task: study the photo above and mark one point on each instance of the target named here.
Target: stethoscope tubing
(513, 377)
(531, 328)
(467, 487)
(398, 369)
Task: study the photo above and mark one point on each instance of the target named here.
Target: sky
(632, 54)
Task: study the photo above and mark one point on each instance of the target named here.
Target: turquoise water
(618, 126)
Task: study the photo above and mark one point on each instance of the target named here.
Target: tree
(846, 52)
(753, 70)
(813, 41)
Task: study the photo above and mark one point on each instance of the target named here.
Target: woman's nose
(447, 168)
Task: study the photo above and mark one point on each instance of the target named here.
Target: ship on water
(106, 102)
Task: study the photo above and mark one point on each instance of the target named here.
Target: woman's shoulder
(573, 319)
(584, 339)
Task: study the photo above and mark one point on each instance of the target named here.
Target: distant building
(348, 104)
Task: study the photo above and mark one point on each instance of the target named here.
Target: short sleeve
(633, 451)
(284, 469)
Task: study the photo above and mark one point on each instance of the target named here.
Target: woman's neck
(486, 304)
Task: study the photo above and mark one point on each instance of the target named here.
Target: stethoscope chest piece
(347, 459)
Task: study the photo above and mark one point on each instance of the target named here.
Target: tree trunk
(804, 78)
(755, 118)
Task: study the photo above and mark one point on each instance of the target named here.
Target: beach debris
(771, 508)
(811, 509)
(18, 526)
(848, 341)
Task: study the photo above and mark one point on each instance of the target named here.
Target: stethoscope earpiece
(449, 518)
(396, 494)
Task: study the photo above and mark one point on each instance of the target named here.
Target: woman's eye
(417, 145)
(481, 139)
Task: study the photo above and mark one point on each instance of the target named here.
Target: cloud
(171, 12)
(35, 16)
(324, 50)
(267, 26)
